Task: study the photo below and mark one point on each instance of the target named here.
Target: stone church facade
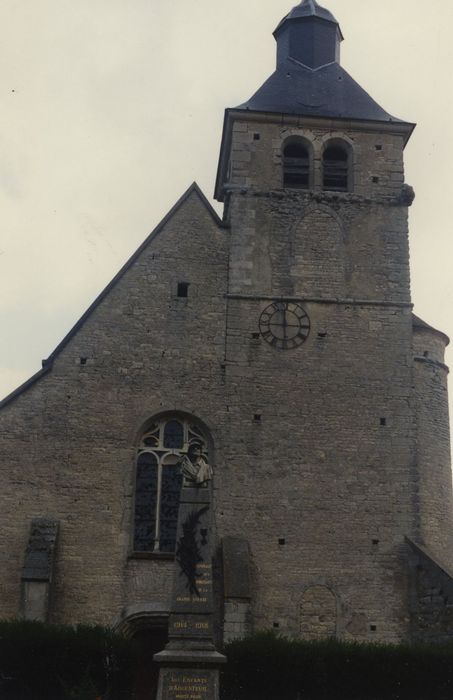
(281, 339)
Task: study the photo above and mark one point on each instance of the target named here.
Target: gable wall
(147, 351)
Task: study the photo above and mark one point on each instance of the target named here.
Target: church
(278, 344)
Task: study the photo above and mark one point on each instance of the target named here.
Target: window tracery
(159, 479)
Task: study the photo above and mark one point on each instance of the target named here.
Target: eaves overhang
(298, 20)
(398, 127)
(419, 325)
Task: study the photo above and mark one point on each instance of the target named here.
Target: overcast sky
(111, 108)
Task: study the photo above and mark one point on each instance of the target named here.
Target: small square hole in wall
(375, 542)
(276, 625)
(83, 360)
(183, 290)
(257, 417)
(256, 137)
(378, 147)
(375, 179)
(373, 628)
(383, 421)
(255, 336)
(281, 541)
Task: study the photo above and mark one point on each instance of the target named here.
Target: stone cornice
(404, 198)
(321, 300)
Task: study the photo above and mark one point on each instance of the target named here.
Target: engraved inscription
(198, 599)
(188, 685)
(184, 626)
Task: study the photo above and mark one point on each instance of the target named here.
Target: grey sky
(111, 108)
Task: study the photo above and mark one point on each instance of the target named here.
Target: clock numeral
(300, 313)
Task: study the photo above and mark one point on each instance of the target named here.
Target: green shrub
(52, 662)
(270, 667)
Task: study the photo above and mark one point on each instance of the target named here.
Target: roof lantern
(309, 34)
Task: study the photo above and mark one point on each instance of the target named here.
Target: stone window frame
(153, 446)
(308, 145)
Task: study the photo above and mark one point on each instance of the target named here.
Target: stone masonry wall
(67, 445)
(433, 445)
(322, 488)
(431, 597)
(257, 160)
(363, 252)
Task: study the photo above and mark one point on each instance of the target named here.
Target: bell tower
(319, 341)
(312, 139)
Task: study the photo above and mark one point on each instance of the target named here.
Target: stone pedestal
(189, 663)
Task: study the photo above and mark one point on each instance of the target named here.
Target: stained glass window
(159, 480)
(145, 501)
(171, 487)
(173, 434)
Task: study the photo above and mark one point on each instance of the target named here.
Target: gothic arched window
(296, 164)
(336, 166)
(158, 482)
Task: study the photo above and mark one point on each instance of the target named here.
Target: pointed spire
(309, 34)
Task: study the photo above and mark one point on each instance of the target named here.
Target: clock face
(284, 325)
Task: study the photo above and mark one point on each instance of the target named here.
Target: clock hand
(285, 324)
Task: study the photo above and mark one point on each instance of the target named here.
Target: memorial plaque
(190, 684)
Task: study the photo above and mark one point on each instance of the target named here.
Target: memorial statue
(194, 467)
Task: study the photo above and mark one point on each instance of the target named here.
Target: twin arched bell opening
(298, 165)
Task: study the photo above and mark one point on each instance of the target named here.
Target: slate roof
(328, 91)
(419, 324)
(308, 8)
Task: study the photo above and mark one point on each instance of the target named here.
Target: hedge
(270, 667)
(56, 662)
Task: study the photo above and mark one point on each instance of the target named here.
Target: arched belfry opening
(296, 164)
(336, 166)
